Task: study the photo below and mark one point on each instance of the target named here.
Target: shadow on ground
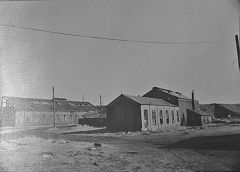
(222, 142)
(224, 146)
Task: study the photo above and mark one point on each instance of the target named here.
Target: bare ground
(214, 147)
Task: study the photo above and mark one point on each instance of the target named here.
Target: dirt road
(211, 148)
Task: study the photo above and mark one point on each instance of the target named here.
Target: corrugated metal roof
(148, 101)
(39, 105)
(173, 93)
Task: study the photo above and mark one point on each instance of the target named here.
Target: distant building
(135, 113)
(33, 112)
(89, 114)
(175, 98)
(94, 118)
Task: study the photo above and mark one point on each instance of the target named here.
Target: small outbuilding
(198, 118)
(136, 113)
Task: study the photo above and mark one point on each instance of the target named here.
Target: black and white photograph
(119, 85)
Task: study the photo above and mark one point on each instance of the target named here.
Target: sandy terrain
(214, 147)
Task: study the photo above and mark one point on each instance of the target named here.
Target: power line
(111, 39)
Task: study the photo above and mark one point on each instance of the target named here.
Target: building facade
(135, 113)
(175, 98)
(22, 112)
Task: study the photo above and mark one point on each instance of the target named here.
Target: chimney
(193, 104)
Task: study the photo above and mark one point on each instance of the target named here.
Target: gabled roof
(200, 112)
(39, 105)
(148, 101)
(82, 106)
(173, 93)
(203, 113)
(80, 103)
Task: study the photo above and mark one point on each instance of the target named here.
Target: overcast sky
(32, 61)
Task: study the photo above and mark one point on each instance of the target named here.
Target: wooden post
(238, 50)
(54, 121)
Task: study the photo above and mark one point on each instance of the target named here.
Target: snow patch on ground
(74, 129)
(37, 154)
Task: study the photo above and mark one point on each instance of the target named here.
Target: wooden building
(198, 118)
(135, 113)
(175, 98)
(21, 112)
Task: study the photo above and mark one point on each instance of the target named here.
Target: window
(4, 103)
(27, 119)
(145, 114)
(44, 118)
(154, 120)
(172, 116)
(167, 116)
(36, 119)
(160, 117)
(58, 118)
(177, 116)
(145, 118)
(64, 118)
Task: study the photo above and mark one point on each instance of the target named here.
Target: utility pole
(100, 103)
(54, 121)
(238, 50)
(83, 97)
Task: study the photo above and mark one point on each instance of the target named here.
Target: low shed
(198, 118)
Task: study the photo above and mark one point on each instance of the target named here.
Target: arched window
(172, 116)
(177, 116)
(64, 118)
(161, 116)
(145, 118)
(167, 116)
(154, 120)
